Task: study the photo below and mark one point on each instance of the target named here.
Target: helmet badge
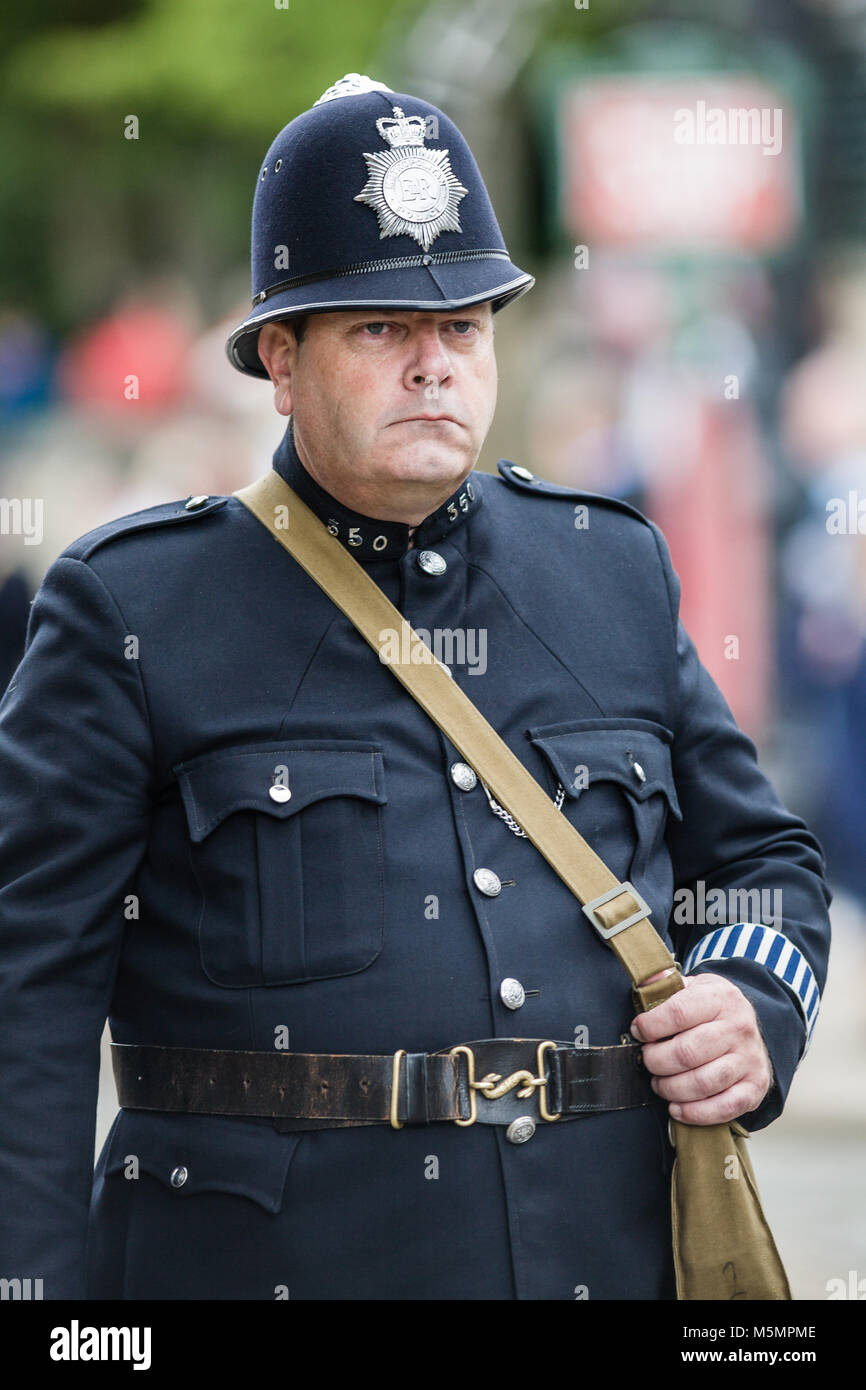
(413, 190)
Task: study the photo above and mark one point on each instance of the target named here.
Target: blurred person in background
(823, 570)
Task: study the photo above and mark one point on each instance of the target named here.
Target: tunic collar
(365, 537)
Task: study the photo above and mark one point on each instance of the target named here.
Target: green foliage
(222, 65)
(86, 211)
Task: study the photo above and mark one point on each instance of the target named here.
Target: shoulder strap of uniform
(522, 480)
(164, 514)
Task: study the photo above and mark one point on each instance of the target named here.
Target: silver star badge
(413, 191)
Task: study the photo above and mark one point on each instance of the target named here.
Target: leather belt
(491, 1081)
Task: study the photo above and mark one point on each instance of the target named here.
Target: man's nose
(428, 356)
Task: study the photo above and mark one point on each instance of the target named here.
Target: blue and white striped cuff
(765, 946)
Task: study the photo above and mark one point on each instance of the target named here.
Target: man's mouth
(428, 419)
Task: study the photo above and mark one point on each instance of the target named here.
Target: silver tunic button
(463, 776)
(431, 562)
(524, 473)
(279, 793)
(512, 994)
(195, 502)
(639, 772)
(520, 1130)
(487, 881)
(179, 1176)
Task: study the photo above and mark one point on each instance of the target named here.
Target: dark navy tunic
(175, 658)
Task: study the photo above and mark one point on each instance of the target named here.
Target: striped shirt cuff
(765, 946)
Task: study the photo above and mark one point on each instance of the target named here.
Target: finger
(730, 1105)
(659, 975)
(685, 1009)
(693, 1048)
(714, 1079)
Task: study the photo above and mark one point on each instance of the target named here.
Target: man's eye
(371, 326)
(463, 323)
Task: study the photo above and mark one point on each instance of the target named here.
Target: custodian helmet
(372, 198)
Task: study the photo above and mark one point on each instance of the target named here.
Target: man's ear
(277, 350)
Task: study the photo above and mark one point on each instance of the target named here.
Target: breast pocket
(619, 789)
(286, 845)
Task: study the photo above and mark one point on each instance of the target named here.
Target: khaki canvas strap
(616, 911)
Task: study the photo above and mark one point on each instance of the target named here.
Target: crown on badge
(404, 130)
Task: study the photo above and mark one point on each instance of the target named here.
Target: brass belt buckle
(492, 1086)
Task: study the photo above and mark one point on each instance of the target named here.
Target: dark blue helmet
(372, 198)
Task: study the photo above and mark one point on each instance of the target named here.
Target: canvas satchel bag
(722, 1245)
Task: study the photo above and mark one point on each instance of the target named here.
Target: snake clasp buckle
(492, 1086)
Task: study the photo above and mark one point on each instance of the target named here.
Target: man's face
(361, 381)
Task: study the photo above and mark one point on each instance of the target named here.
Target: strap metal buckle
(492, 1086)
(607, 932)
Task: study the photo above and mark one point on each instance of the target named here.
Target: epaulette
(163, 514)
(520, 478)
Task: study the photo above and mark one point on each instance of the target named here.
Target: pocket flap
(233, 779)
(203, 1153)
(610, 750)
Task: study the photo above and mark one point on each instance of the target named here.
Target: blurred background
(695, 343)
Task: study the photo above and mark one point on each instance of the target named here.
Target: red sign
(682, 164)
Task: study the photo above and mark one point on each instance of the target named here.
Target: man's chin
(430, 462)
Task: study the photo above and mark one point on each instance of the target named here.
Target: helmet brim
(455, 285)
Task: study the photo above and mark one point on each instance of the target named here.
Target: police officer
(228, 828)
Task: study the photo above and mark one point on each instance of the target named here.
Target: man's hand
(705, 1051)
